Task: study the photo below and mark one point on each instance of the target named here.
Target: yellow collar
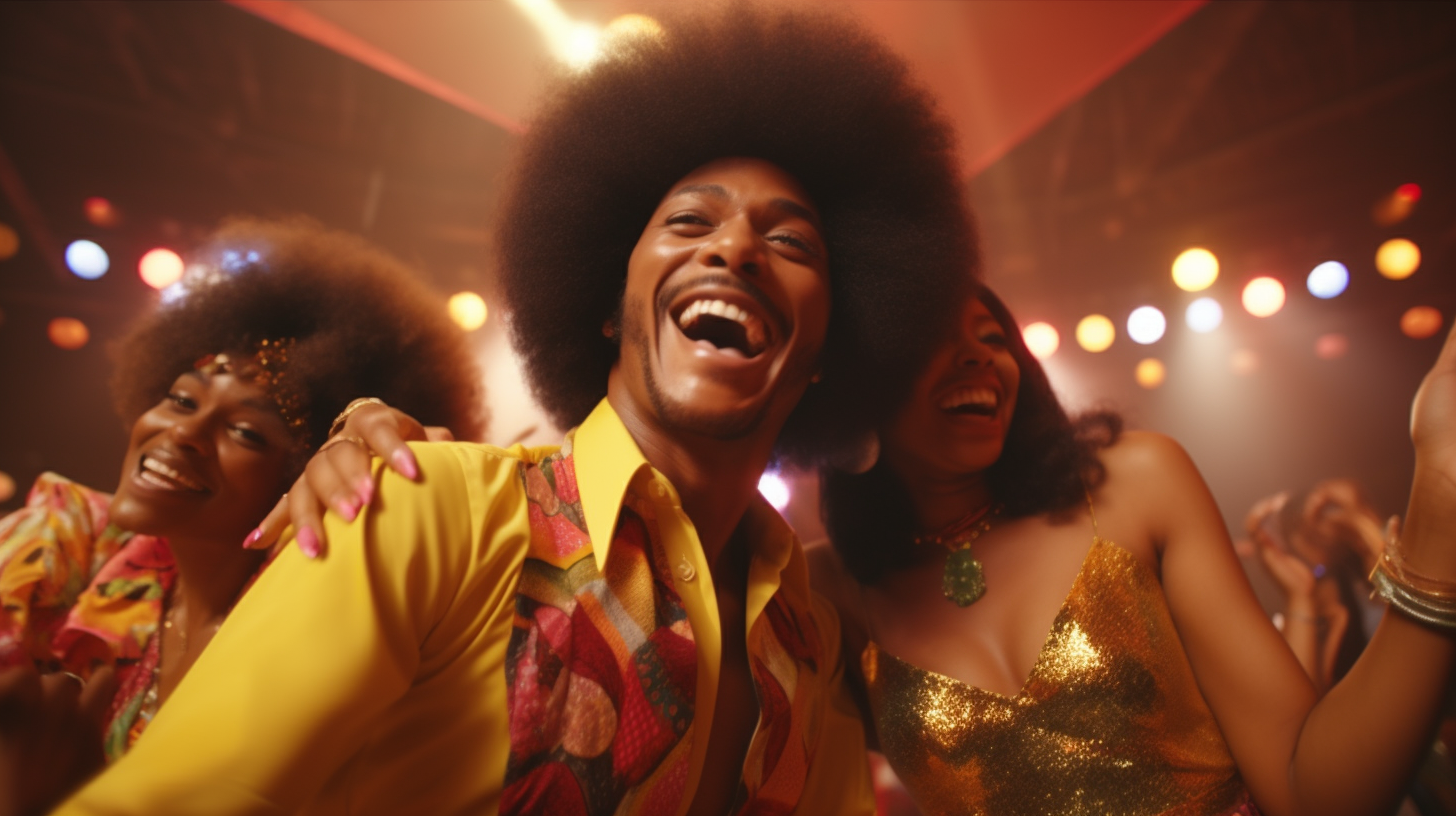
(607, 459)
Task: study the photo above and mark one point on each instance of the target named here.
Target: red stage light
(68, 333)
(1409, 192)
(100, 212)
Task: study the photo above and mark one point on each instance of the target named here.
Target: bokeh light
(1195, 269)
(87, 259)
(1150, 373)
(1204, 315)
(1331, 346)
(68, 333)
(1146, 325)
(632, 25)
(1263, 297)
(9, 242)
(468, 310)
(160, 268)
(1398, 258)
(1095, 333)
(1408, 192)
(1395, 207)
(7, 487)
(100, 212)
(1042, 339)
(1420, 322)
(1328, 280)
(1244, 362)
(775, 489)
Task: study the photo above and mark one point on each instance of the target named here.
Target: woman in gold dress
(1052, 619)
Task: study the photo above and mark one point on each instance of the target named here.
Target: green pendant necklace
(964, 580)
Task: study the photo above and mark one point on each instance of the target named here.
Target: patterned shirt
(524, 631)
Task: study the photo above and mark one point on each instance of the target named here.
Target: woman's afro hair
(363, 325)
(808, 91)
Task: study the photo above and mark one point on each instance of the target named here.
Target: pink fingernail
(348, 508)
(308, 542)
(365, 489)
(404, 462)
(252, 538)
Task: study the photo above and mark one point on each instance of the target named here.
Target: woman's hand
(1433, 415)
(1294, 576)
(338, 476)
(50, 736)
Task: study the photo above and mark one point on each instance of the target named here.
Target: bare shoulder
(1138, 454)
(1152, 488)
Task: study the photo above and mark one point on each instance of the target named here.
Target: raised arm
(1353, 751)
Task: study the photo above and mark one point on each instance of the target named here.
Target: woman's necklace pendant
(963, 582)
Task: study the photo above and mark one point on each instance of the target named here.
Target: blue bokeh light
(1328, 280)
(87, 259)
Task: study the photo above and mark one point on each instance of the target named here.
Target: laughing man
(718, 247)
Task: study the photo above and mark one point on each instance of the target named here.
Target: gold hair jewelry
(964, 580)
(267, 366)
(337, 440)
(343, 417)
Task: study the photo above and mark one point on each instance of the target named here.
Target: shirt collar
(606, 459)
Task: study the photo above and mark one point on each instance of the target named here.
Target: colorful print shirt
(76, 593)
(522, 632)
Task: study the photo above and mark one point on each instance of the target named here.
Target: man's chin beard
(679, 418)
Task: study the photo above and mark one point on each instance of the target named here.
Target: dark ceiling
(1264, 131)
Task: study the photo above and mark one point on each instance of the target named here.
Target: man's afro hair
(808, 91)
(363, 325)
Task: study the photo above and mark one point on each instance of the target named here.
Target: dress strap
(1091, 511)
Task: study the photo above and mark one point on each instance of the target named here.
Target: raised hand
(338, 476)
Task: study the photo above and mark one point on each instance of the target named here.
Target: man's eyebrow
(796, 209)
(714, 190)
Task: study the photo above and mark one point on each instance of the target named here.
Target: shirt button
(685, 570)
(658, 489)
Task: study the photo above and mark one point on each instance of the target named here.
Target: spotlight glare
(468, 310)
(1204, 315)
(68, 333)
(1095, 333)
(1150, 373)
(1420, 322)
(1263, 297)
(1195, 269)
(775, 489)
(1328, 280)
(160, 268)
(87, 259)
(1041, 339)
(1398, 259)
(1146, 325)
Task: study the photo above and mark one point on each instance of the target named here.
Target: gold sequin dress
(1110, 722)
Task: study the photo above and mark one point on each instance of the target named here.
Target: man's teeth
(753, 327)
(151, 466)
(972, 398)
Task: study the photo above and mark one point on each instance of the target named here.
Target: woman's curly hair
(1047, 464)
(807, 91)
(363, 325)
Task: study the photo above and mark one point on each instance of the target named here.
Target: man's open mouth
(727, 326)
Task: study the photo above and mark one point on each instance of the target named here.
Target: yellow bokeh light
(9, 242)
(1263, 297)
(1420, 322)
(160, 268)
(1195, 269)
(1041, 339)
(1150, 373)
(468, 310)
(1095, 333)
(1398, 259)
(68, 333)
(7, 487)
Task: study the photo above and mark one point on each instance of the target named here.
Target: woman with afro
(228, 386)
(758, 204)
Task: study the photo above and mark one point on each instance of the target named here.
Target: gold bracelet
(338, 423)
(1443, 592)
(1438, 614)
(357, 440)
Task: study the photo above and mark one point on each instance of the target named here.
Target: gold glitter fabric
(1110, 722)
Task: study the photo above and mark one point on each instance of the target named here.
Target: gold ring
(344, 438)
(338, 423)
